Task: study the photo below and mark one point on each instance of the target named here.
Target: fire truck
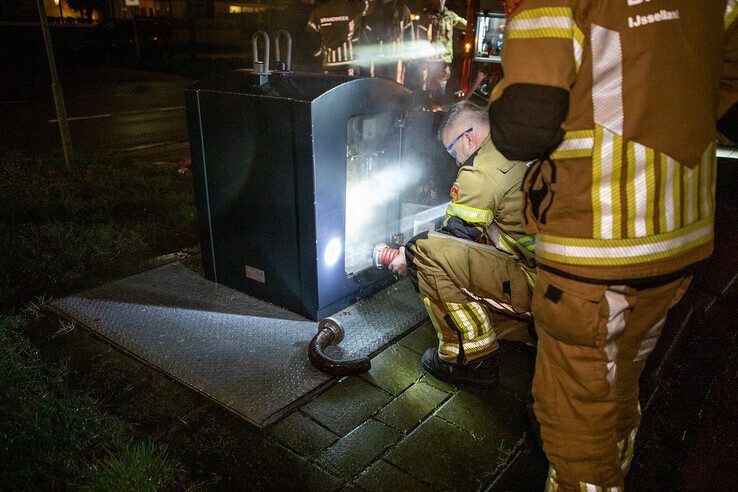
(482, 65)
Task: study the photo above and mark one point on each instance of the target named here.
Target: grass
(66, 228)
(62, 229)
(51, 436)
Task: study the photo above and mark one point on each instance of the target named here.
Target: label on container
(254, 274)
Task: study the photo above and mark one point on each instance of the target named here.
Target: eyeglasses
(450, 148)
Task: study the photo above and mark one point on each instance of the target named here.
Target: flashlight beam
(433, 213)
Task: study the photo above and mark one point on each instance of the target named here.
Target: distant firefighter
(338, 22)
(436, 24)
(387, 27)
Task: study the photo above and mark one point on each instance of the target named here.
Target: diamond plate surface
(373, 323)
(244, 353)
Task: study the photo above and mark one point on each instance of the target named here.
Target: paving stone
(347, 404)
(382, 476)
(407, 410)
(420, 339)
(280, 469)
(355, 451)
(438, 384)
(447, 457)
(489, 414)
(303, 435)
(395, 369)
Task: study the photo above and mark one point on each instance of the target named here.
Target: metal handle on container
(330, 331)
(260, 66)
(278, 52)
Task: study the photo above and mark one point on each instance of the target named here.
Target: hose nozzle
(383, 255)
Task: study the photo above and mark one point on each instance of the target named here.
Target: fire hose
(330, 331)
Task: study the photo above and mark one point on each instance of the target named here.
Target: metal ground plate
(246, 354)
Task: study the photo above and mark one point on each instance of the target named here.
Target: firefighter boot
(482, 372)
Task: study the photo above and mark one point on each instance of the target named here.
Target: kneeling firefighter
(480, 264)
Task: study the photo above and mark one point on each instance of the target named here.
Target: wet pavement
(399, 428)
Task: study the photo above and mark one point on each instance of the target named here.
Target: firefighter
(338, 22)
(618, 101)
(476, 271)
(436, 24)
(387, 26)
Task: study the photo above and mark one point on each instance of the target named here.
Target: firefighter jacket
(485, 206)
(338, 22)
(388, 23)
(438, 29)
(619, 99)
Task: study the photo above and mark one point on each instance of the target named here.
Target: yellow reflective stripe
(605, 193)
(570, 154)
(530, 277)
(731, 13)
(616, 187)
(650, 192)
(478, 345)
(475, 319)
(626, 447)
(462, 323)
(428, 307)
(551, 22)
(713, 170)
(544, 32)
(576, 143)
(578, 42)
(507, 242)
(551, 484)
(664, 197)
(543, 12)
(641, 190)
(577, 134)
(694, 193)
(688, 197)
(469, 214)
(630, 191)
(485, 324)
(528, 242)
(630, 251)
(706, 180)
(590, 487)
(676, 189)
(597, 186)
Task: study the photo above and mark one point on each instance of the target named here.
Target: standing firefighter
(479, 263)
(619, 101)
(387, 26)
(338, 22)
(436, 24)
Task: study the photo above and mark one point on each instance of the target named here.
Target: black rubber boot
(482, 372)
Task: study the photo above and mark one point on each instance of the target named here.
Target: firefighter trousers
(593, 341)
(467, 287)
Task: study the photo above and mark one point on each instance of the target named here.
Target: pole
(61, 10)
(56, 90)
(135, 33)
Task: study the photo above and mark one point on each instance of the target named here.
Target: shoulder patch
(511, 6)
(454, 193)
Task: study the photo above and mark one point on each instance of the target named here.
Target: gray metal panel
(244, 353)
(371, 324)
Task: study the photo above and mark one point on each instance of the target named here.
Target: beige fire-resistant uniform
(465, 284)
(622, 206)
(438, 29)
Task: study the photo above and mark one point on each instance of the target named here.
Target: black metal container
(297, 176)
